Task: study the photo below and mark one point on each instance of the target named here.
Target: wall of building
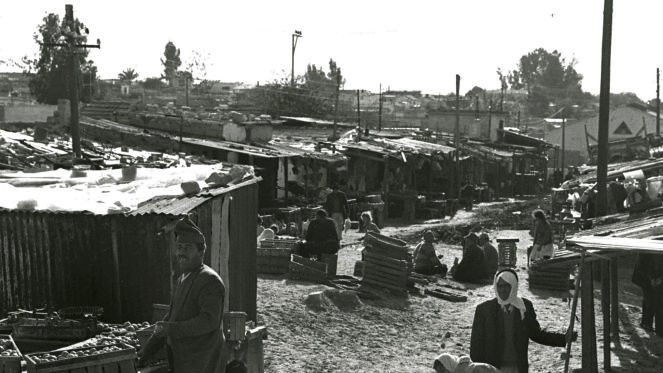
(471, 124)
(26, 113)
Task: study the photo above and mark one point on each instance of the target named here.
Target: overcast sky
(414, 45)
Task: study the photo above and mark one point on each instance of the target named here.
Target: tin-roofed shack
(99, 240)
(399, 169)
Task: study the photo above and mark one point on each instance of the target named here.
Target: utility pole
(563, 143)
(338, 90)
(358, 117)
(380, 109)
(457, 140)
(490, 119)
(72, 36)
(604, 122)
(295, 36)
(658, 102)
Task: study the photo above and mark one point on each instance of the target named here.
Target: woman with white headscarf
(447, 363)
(504, 325)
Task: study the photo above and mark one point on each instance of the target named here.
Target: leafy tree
(475, 91)
(313, 95)
(171, 62)
(50, 71)
(547, 77)
(128, 75)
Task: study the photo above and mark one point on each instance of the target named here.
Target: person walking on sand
(337, 208)
(503, 326)
(648, 275)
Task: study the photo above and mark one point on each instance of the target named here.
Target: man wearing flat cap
(192, 330)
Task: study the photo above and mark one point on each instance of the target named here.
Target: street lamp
(295, 35)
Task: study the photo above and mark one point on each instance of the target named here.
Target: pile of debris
(387, 264)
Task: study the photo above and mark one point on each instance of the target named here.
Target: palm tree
(128, 75)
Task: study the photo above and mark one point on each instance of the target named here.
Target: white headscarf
(448, 361)
(514, 300)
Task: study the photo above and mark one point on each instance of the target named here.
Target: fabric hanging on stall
(225, 247)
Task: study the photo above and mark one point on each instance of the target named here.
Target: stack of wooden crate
(506, 248)
(549, 278)
(273, 255)
(387, 264)
(10, 356)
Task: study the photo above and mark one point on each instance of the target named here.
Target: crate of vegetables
(118, 358)
(10, 356)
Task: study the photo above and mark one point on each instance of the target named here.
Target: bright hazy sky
(407, 44)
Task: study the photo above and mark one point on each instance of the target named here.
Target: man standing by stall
(337, 208)
(192, 330)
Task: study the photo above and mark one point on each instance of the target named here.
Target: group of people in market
(478, 264)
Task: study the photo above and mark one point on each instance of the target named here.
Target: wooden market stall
(597, 253)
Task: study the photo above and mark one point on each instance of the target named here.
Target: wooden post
(658, 102)
(338, 91)
(604, 112)
(574, 308)
(285, 178)
(456, 193)
(589, 363)
(385, 189)
(605, 310)
(614, 299)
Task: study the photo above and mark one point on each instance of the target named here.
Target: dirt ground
(382, 336)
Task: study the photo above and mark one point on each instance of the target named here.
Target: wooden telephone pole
(457, 140)
(338, 91)
(72, 35)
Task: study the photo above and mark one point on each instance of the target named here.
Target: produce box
(10, 356)
(54, 328)
(118, 358)
(272, 260)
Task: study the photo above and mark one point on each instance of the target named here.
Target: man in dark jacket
(192, 330)
(337, 208)
(503, 326)
(472, 268)
(321, 237)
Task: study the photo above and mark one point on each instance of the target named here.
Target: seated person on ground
(489, 254)
(267, 234)
(368, 225)
(321, 237)
(472, 267)
(447, 363)
(426, 261)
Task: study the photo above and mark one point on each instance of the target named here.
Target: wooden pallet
(549, 279)
(10, 364)
(122, 361)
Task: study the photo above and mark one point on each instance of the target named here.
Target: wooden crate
(272, 260)
(506, 249)
(121, 361)
(302, 272)
(143, 335)
(53, 328)
(549, 279)
(281, 243)
(331, 260)
(10, 364)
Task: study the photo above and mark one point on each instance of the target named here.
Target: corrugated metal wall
(67, 259)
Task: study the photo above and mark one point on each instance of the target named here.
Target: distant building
(473, 124)
(625, 122)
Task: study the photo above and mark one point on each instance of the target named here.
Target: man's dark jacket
(321, 230)
(486, 345)
(196, 325)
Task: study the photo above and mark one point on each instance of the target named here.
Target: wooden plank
(215, 242)
(589, 362)
(319, 266)
(5, 265)
(78, 370)
(384, 280)
(605, 311)
(117, 295)
(394, 263)
(224, 245)
(574, 307)
(396, 273)
(614, 299)
(127, 366)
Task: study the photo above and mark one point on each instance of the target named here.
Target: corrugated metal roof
(169, 205)
(237, 148)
